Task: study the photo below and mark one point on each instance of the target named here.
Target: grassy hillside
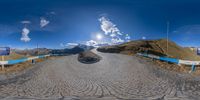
(13, 55)
(156, 47)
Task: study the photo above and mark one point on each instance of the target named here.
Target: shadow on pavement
(88, 57)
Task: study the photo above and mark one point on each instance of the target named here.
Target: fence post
(2, 66)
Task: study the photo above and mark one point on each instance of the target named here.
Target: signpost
(198, 51)
(4, 51)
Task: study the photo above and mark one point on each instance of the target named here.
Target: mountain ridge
(156, 47)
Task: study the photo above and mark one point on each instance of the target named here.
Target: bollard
(193, 67)
(33, 61)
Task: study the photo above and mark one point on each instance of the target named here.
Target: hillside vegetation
(13, 56)
(156, 47)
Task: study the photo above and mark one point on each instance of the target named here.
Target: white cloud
(62, 45)
(108, 27)
(43, 22)
(113, 35)
(117, 40)
(127, 37)
(73, 44)
(25, 37)
(111, 30)
(69, 45)
(25, 22)
(91, 43)
(104, 44)
(144, 38)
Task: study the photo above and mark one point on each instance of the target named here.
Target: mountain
(103, 44)
(85, 47)
(156, 47)
(43, 51)
(75, 50)
(33, 52)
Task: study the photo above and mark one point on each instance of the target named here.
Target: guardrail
(11, 62)
(172, 60)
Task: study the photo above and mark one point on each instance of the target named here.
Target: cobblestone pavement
(115, 77)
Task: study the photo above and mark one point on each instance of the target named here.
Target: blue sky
(77, 21)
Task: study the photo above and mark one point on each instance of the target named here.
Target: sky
(59, 23)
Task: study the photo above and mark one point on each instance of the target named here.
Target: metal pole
(193, 67)
(167, 36)
(37, 49)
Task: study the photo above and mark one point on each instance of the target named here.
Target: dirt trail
(115, 76)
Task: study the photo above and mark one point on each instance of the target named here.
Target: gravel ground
(114, 77)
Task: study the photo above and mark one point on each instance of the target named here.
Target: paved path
(115, 76)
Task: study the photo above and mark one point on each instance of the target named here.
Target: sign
(198, 51)
(4, 51)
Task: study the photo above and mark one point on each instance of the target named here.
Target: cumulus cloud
(113, 35)
(25, 37)
(43, 22)
(69, 45)
(111, 30)
(117, 40)
(91, 43)
(108, 27)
